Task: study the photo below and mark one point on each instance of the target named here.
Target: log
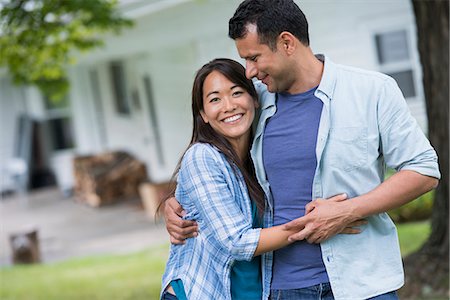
(151, 196)
(25, 247)
(107, 178)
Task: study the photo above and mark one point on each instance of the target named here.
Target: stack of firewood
(152, 196)
(108, 177)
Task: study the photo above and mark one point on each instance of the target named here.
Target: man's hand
(178, 229)
(325, 218)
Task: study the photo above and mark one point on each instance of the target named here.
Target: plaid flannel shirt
(217, 198)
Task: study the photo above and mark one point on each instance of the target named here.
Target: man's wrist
(354, 210)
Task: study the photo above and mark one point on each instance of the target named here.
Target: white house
(134, 93)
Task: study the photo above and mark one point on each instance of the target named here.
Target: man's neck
(309, 72)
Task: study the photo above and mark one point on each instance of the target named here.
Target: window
(392, 46)
(394, 57)
(61, 133)
(59, 123)
(153, 118)
(119, 87)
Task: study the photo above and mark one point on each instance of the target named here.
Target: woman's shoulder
(201, 159)
(202, 152)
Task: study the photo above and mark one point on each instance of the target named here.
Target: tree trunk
(427, 269)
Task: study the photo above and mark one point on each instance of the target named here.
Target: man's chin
(271, 89)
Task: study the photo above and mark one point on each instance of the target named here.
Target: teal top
(246, 279)
(178, 288)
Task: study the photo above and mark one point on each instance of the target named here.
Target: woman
(217, 187)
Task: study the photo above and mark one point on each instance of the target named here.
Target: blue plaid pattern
(217, 198)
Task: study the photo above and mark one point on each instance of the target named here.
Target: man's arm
(178, 229)
(404, 148)
(325, 219)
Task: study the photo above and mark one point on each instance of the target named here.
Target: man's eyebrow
(248, 57)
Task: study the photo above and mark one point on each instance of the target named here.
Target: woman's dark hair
(271, 18)
(203, 132)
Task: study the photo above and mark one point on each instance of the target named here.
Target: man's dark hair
(271, 18)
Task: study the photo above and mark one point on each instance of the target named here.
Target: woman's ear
(204, 117)
(256, 103)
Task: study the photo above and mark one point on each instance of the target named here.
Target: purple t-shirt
(289, 154)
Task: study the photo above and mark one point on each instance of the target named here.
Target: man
(326, 129)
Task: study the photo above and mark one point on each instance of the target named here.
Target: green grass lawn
(413, 235)
(134, 276)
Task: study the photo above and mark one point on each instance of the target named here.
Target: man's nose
(250, 70)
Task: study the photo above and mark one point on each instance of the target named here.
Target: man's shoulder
(356, 73)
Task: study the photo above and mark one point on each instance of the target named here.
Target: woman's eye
(237, 93)
(214, 100)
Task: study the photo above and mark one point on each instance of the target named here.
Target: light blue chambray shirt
(365, 126)
(217, 198)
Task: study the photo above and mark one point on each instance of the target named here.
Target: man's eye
(253, 58)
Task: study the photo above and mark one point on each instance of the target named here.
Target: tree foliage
(427, 270)
(38, 38)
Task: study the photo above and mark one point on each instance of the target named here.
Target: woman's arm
(204, 191)
(273, 238)
(203, 179)
(220, 218)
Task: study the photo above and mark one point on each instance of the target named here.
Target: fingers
(178, 234)
(314, 239)
(181, 234)
(352, 227)
(182, 227)
(350, 230)
(357, 223)
(173, 207)
(297, 224)
(174, 241)
(310, 206)
(178, 229)
(338, 198)
(301, 235)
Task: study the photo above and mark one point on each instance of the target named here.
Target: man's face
(271, 67)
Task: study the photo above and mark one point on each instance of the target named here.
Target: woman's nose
(229, 104)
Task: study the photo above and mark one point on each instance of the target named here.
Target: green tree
(38, 38)
(427, 270)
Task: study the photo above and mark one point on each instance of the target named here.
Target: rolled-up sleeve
(404, 145)
(206, 190)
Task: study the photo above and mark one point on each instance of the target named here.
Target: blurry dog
(25, 247)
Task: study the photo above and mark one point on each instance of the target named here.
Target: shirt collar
(328, 80)
(326, 85)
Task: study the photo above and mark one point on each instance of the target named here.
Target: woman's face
(227, 107)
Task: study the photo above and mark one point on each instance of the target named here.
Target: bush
(419, 209)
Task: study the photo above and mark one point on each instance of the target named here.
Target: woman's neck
(241, 146)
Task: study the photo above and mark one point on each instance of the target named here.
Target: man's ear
(204, 117)
(287, 41)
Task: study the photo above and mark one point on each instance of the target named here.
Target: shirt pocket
(347, 148)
